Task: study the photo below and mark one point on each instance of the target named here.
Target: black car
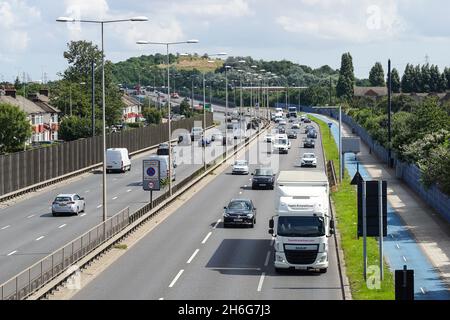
(308, 127)
(263, 178)
(292, 135)
(309, 143)
(239, 212)
(307, 120)
(312, 134)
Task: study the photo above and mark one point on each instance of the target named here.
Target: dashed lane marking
(11, 253)
(206, 238)
(176, 278)
(261, 280)
(193, 256)
(62, 226)
(40, 238)
(217, 223)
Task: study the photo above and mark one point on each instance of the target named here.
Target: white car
(278, 119)
(68, 203)
(240, 167)
(295, 125)
(281, 144)
(309, 160)
(282, 122)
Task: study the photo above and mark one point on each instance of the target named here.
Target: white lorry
(303, 222)
(280, 143)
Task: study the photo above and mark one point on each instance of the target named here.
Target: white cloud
(349, 21)
(216, 8)
(15, 17)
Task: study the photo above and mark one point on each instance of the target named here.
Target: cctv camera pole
(389, 111)
(93, 98)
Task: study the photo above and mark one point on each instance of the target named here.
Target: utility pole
(93, 97)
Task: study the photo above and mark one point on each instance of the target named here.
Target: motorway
(191, 256)
(29, 232)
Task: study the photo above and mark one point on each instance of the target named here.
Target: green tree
(15, 128)
(425, 79)
(395, 82)
(152, 115)
(73, 128)
(346, 82)
(185, 109)
(430, 113)
(408, 79)
(376, 76)
(447, 77)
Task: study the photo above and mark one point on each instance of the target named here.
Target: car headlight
(226, 215)
(250, 215)
(279, 258)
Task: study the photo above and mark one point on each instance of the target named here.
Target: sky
(309, 32)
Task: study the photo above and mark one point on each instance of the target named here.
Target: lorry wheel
(54, 213)
(323, 270)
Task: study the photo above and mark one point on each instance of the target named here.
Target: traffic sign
(151, 175)
(330, 124)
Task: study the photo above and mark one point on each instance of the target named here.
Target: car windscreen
(240, 163)
(301, 227)
(263, 172)
(239, 205)
(281, 141)
(308, 156)
(63, 199)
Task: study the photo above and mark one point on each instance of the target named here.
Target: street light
(226, 109)
(167, 44)
(102, 23)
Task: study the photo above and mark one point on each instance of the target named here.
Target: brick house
(43, 117)
(132, 110)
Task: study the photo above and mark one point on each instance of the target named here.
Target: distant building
(370, 92)
(132, 112)
(43, 117)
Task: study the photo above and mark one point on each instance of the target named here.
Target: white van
(196, 133)
(117, 159)
(163, 163)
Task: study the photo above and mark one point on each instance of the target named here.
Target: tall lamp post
(167, 44)
(102, 23)
(226, 108)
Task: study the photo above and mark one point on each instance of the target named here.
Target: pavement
(189, 255)
(417, 236)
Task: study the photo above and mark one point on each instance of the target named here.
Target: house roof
(370, 91)
(28, 106)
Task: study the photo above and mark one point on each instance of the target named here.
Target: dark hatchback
(312, 134)
(292, 135)
(309, 143)
(239, 212)
(263, 178)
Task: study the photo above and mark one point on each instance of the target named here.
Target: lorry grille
(301, 257)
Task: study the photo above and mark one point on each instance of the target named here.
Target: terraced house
(43, 117)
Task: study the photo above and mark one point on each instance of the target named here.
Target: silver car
(68, 203)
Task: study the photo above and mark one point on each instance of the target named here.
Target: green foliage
(346, 82)
(73, 128)
(15, 128)
(395, 83)
(185, 109)
(424, 78)
(376, 76)
(152, 115)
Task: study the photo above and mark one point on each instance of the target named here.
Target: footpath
(418, 237)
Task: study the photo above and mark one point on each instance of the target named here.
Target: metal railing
(62, 260)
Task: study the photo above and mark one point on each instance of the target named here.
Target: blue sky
(311, 32)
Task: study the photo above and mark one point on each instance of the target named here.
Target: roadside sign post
(364, 225)
(380, 212)
(329, 127)
(151, 177)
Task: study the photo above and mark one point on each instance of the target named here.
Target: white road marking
(5, 227)
(62, 226)
(114, 198)
(193, 256)
(267, 259)
(82, 215)
(240, 192)
(272, 241)
(423, 291)
(398, 247)
(161, 299)
(11, 253)
(206, 238)
(99, 206)
(404, 258)
(217, 223)
(129, 190)
(261, 280)
(40, 238)
(87, 191)
(30, 216)
(176, 278)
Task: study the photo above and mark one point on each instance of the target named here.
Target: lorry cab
(281, 143)
(302, 223)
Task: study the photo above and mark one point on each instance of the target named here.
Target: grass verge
(344, 200)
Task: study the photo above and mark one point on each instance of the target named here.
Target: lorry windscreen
(281, 141)
(301, 227)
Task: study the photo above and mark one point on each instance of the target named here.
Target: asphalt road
(191, 256)
(29, 232)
